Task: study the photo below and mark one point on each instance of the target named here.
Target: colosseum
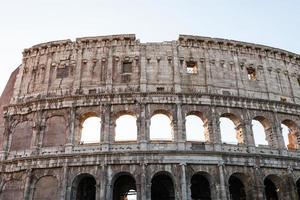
(143, 96)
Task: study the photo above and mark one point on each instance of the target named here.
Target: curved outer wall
(60, 82)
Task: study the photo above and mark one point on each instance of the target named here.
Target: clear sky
(26, 23)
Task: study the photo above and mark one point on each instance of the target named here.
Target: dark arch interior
(298, 188)
(124, 186)
(200, 188)
(162, 188)
(236, 189)
(86, 189)
(270, 190)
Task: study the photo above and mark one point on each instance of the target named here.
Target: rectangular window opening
(191, 67)
(127, 67)
(251, 73)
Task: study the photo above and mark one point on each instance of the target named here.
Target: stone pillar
(147, 123)
(291, 189)
(42, 131)
(176, 69)
(249, 135)
(103, 181)
(142, 127)
(34, 140)
(183, 181)
(181, 137)
(77, 79)
(106, 127)
(36, 130)
(71, 134)
(109, 70)
(6, 138)
(102, 121)
(108, 186)
(143, 78)
(64, 184)
(27, 184)
(143, 181)
(215, 129)
(148, 183)
(260, 188)
(222, 185)
(49, 67)
(278, 136)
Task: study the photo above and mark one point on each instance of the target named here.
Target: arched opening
(161, 127)
(194, 128)
(260, 129)
(271, 191)
(46, 188)
(298, 188)
(290, 134)
(236, 188)
(200, 187)
(84, 187)
(126, 129)
(90, 132)
(231, 132)
(124, 188)
(162, 187)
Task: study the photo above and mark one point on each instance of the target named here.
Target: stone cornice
(151, 97)
(183, 40)
(233, 45)
(95, 158)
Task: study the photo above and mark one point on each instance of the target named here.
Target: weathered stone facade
(60, 83)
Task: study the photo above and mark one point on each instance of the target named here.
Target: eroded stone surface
(61, 83)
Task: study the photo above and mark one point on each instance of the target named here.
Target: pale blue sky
(25, 23)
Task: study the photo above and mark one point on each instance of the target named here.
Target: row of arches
(161, 126)
(201, 186)
(196, 128)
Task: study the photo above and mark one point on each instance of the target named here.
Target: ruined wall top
(192, 64)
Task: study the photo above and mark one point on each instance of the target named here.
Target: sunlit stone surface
(50, 150)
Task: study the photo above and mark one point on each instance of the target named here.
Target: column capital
(221, 164)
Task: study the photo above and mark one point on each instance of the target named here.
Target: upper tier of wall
(94, 65)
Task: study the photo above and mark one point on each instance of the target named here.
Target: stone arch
(125, 121)
(201, 127)
(161, 126)
(46, 188)
(267, 132)
(90, 128)
(273, 187)
(21, 136)
(293, 134)
(162, 111)
(124, 186)
(201, 186)
(84, 187)
(12, 189)
(162, 186)
(238, 131)
(240, 186)
(55, 131)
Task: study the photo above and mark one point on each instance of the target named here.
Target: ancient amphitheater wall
(61, 84)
